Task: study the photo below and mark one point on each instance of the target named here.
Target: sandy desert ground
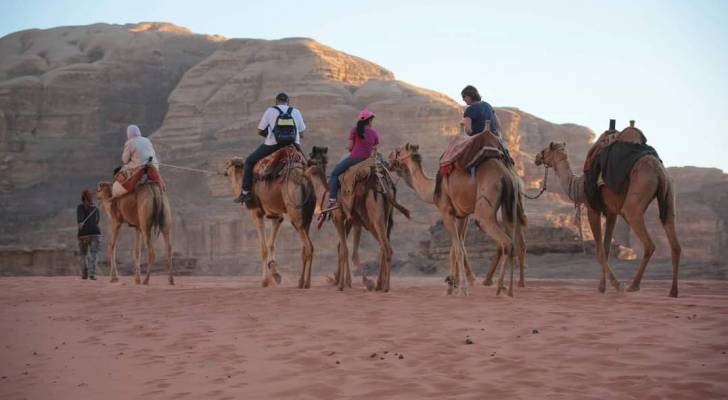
(227, 338)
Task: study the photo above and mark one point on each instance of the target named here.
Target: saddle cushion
(130, 178)
(612, 168)
(465, 151)
(271, 166)
(628, 135)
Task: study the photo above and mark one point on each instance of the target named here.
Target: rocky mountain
(67, 93)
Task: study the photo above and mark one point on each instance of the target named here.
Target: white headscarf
(132, 131)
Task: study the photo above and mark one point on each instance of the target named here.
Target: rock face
(67, 93)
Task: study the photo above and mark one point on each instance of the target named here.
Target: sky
(661, 63)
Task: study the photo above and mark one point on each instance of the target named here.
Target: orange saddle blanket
(131, 177)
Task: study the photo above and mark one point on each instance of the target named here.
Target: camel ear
(325, 150)
(415, 148)
(551, 146)
(407, 146)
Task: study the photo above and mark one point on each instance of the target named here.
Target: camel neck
(570, 183)
(421, 183)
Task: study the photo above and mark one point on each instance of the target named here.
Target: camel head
(400, 159)
(103, 191)
(555, 152)
(232, 164)
(319, 157)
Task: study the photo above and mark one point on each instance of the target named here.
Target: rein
(543, 187)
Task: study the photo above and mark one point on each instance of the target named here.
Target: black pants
(260, 153)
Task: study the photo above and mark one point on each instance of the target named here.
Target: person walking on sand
(89, 235)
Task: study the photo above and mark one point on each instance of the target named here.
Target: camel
(290, 194)
(374, 213)
(648, 180)
(458, 196)
(145, 209)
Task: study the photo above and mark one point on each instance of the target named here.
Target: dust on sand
(226, 338)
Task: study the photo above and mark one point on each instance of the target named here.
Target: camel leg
(150, 253)
(494, 261)
(137, 253)
(260, 226)
(637, 222)
(609, 233)
(356, 239)
(462, 225)
(306, 258)
(595, 223)
(343, 264)
(271, 259)
(168, 248)
(449, 222)
(485, 212)
(385, 253)
(112, 252)
(520, 251)
(675, 249)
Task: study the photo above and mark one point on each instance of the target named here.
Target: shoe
(84, 275)
(330, 205)
(93, 278)
(245, 197)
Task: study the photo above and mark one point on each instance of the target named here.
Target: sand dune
(226, 338)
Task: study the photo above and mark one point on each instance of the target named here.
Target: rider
(270, 121)
(477, 113)
(363, 141)
(138, 150)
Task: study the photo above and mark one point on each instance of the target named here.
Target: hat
(364, 115)
(282, 97)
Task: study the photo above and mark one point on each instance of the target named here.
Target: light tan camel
(458, 196)
(145, 209)
(290, 194)
(374, 213)
(648, 180)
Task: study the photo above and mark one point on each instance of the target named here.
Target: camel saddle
(131, 178)
(358, 179)
(279, 161)
(629, 134)
(465, 151)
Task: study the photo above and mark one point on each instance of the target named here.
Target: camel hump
(281, 160)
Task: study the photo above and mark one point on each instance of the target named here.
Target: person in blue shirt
(477, 112)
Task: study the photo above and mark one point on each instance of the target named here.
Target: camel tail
(309, 202)
(666, 199)
(159, 219)
(511, 197)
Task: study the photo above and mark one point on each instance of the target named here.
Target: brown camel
(458, 196)
(145, 209)
(373, 212)
(648, 180)
(290, 194)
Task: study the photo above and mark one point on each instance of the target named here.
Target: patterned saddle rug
(466, 151)
(282, 159)
(129, 179)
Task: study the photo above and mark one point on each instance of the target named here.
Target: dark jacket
(91, 226)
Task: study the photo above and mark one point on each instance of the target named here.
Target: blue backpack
(285, 128)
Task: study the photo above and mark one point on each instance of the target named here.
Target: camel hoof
(277, 277)
(330, 280)
(673, 292)
(633, 288)
(171, 281)
(488, 282)
(114, 279)
(146, 282)
(370, 285)
(264, 283)
(521, 284)
(501, 288)
(602, 287)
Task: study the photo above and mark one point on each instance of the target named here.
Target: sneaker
(245, 197)
(84, 275)
(93, 278)
(330, 206)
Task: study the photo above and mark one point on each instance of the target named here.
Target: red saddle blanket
(465, 151)
(271, 166)
(131, 177)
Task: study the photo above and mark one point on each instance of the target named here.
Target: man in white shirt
(265, 129)
(137, 150)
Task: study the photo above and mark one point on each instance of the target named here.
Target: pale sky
(662, 63)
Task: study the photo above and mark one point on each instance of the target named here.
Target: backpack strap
(289, 111)
(279, 110)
